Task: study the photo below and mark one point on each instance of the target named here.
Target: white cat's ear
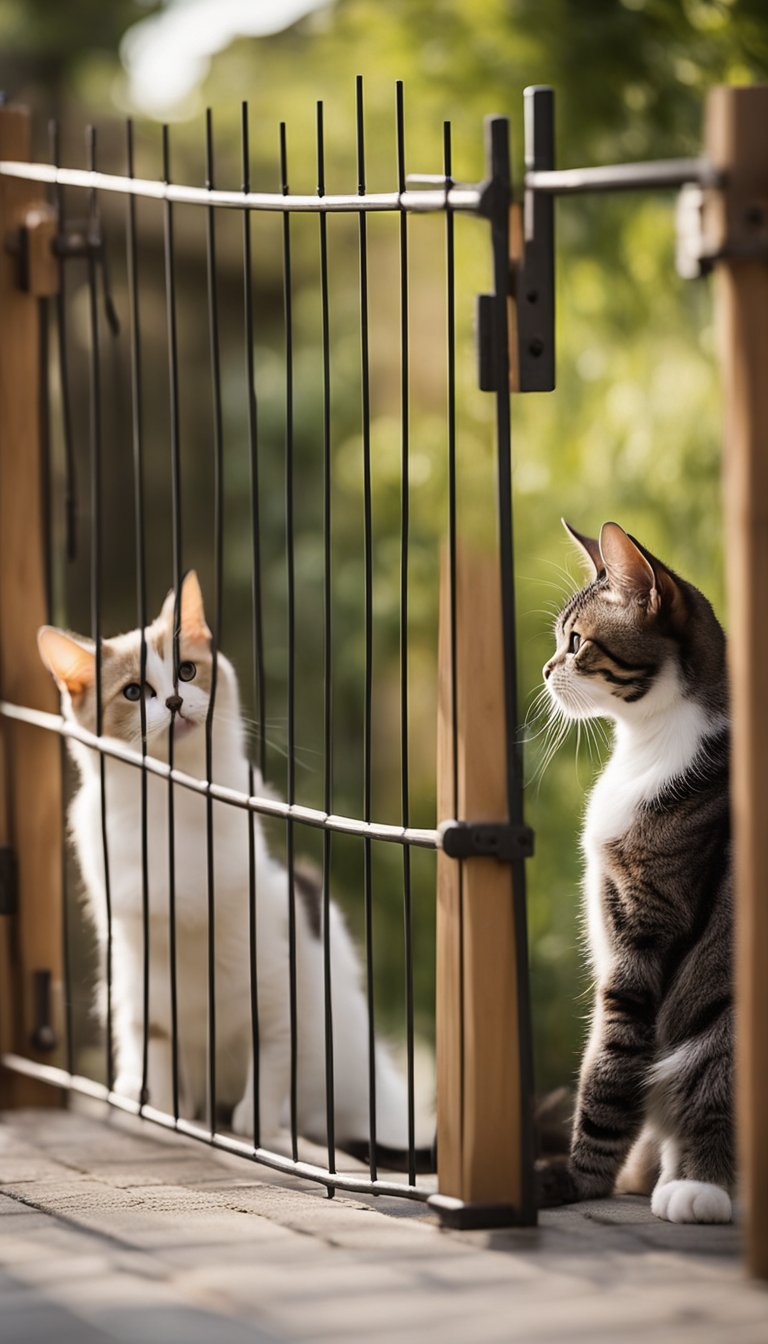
(193, 625)
(632, 574)
(589, 549)
(168, 608)
(71, 660)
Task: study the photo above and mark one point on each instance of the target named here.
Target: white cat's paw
(128, 1085)
(691, 1202)
(242, 1118)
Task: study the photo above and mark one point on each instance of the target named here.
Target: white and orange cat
(182, 709)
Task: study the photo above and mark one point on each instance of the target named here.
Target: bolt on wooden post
(30, 795)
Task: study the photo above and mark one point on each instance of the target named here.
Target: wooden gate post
(481, 1123)
(30, 801)
(736, 224)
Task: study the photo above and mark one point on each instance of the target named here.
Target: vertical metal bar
(96, 558)
(66, 426)
(368, 616)
(258, 641)
(70, 488)
(327, 662)
(291, 615)
(43, 1007)
(498, 166)
(218, 545)
(404, 539)
(173, 388)
(46, 474)
(141, 581)
(450, 273)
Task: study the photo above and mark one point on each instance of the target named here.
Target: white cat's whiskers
(255, 733)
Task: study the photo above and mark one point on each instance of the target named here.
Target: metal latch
(486, 840)
(8, 887)
(43, 1035)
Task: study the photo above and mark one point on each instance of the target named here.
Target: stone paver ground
(111, 1230)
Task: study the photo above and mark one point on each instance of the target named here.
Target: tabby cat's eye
(187, 671)
(575, 642)
(132, 691)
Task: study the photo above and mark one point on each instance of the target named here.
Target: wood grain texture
(32, 816)
(736, 142)
(478, 1065)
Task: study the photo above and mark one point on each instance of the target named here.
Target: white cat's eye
(133, 690)
(575, 642)
(187, 671)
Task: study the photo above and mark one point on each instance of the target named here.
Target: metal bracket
(8, 882)
(461, 1216)
(40, 246)
(712, 224)
(486, 840)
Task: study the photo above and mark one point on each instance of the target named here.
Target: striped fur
(642, 647)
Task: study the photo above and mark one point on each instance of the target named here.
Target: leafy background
(632, 431)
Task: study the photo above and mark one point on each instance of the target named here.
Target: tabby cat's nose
(174, 703)
(547, 670)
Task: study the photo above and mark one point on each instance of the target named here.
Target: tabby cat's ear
(193, 625)
(633, 576)
(72, 660)
(589, 548)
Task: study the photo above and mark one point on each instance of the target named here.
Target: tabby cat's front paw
(555, 1184)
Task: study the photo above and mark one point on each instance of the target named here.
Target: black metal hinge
(7, 881)
(39, 245)
(486, 840)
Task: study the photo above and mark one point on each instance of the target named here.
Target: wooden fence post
(480, 1126)
(30, 817)
(736, 221)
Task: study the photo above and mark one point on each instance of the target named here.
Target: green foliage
(632, 431)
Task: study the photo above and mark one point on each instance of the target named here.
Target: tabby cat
(642, 647)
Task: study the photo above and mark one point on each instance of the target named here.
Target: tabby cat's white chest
(647, 758)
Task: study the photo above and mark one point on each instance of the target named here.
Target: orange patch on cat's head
(70, 659)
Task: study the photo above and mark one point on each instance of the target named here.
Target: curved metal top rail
(449, 196)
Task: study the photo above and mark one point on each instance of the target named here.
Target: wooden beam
(31, 819)
(736, 143)
(480, 1101)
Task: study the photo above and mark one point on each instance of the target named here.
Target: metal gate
(484, 1072)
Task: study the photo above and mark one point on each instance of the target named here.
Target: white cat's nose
(547, 670)
(174, 703)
